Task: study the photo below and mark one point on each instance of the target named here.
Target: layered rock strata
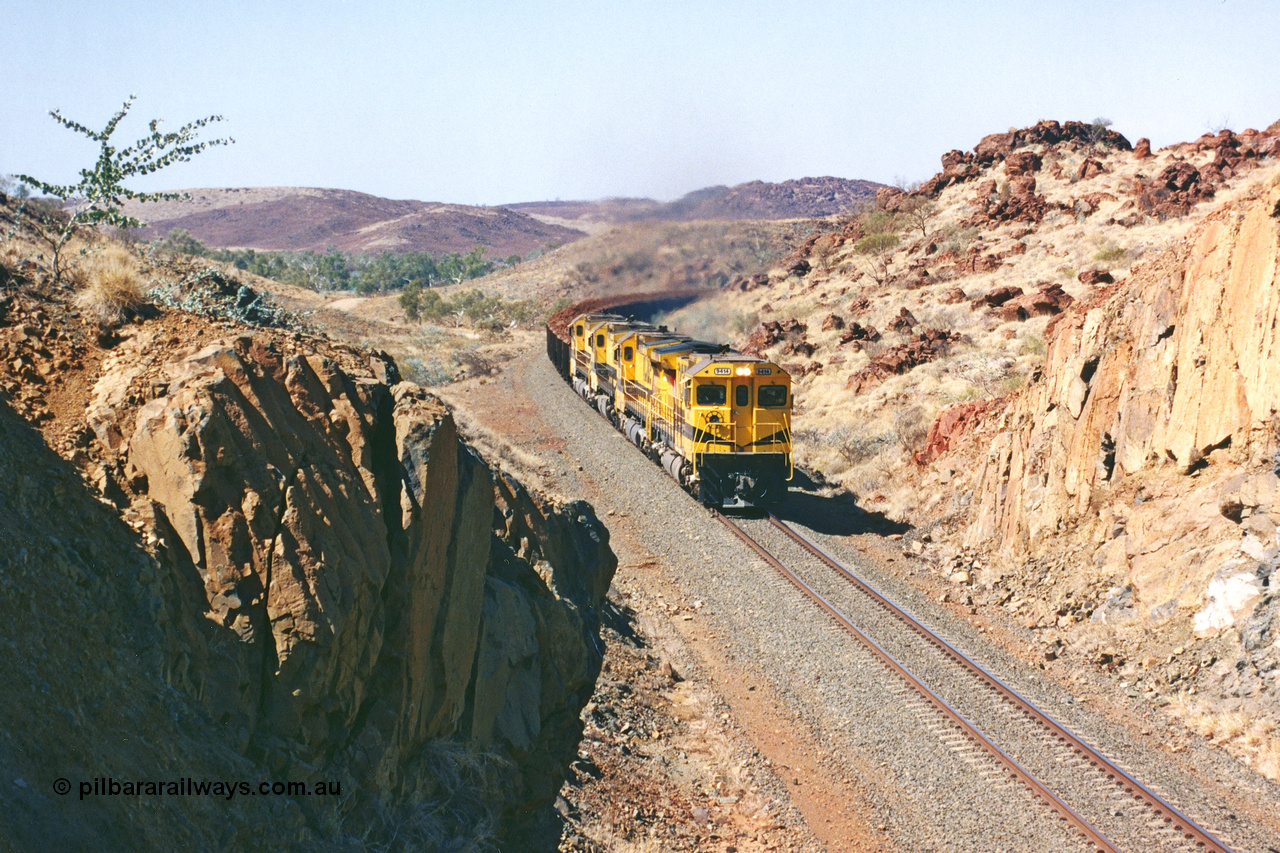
(347, 580)
(1152, 431)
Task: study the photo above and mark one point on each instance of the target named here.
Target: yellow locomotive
(717, 420)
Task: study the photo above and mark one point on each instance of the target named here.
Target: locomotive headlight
(743, 371)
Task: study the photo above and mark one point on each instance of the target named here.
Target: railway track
(1109, 809)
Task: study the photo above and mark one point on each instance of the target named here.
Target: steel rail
(1161, 808)
(1181, 823)
(971, 732)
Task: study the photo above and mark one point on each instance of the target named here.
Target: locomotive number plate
(723, 371)
(763, 371)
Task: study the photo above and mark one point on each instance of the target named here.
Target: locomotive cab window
(599, 340)
(742, 396)
(712, 394)
(627, 353)
(773, 395)
(578, 330)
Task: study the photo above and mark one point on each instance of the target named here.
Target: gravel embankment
(911, 778)
(1086, 790)
(928, 796)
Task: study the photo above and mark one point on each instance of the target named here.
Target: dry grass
(993, 358)
(457, 796)
(10, 255)
(1252, 740)
(111, 289)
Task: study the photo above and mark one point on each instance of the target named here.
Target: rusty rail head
(1180, 822)
(1016, 771)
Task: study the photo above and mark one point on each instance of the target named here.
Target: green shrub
(1009, 384)
(1031, 345)
(876, 244)
(1110, 253)
(429, 373)
(101, 193)
(879, 222)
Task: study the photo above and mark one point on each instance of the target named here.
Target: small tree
(879, 247)
(101, 188)
(180, 241)
(409, 301)
(1098, 129)
(918, 209)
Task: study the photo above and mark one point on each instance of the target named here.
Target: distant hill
(797, 199)
(300, 218)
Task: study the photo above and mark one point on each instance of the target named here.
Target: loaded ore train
(719, 421)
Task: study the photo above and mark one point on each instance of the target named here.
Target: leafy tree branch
(100, 193)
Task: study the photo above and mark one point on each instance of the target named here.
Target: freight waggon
(719, 421)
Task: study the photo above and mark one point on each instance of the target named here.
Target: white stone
(1228, 599)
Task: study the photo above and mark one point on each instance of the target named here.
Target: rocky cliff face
(348, 581)
(1151, 434)
(345, 590)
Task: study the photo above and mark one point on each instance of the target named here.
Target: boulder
(770, 332)
(1177, 177)
(960, 166)
(1023, 185)
(1089, 203)
(1020, 204)
(746, 283)
(1048, 300)
(1022, 163)
(857, 332)
(799, 267)
(971, 263)
(1090, 168)
(904, 322)
(1094, 277)
(889, 198)
(997, 297)
(921, 349)
(803, 348)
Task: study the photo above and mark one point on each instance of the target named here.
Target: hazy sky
(484, 102)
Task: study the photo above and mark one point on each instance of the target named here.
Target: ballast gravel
(927, 788)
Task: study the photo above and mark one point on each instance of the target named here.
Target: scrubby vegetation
(112, 290)
(337, 270)
(473, 307)
(96, 199)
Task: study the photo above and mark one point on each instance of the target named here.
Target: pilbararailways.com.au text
(107, 786)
